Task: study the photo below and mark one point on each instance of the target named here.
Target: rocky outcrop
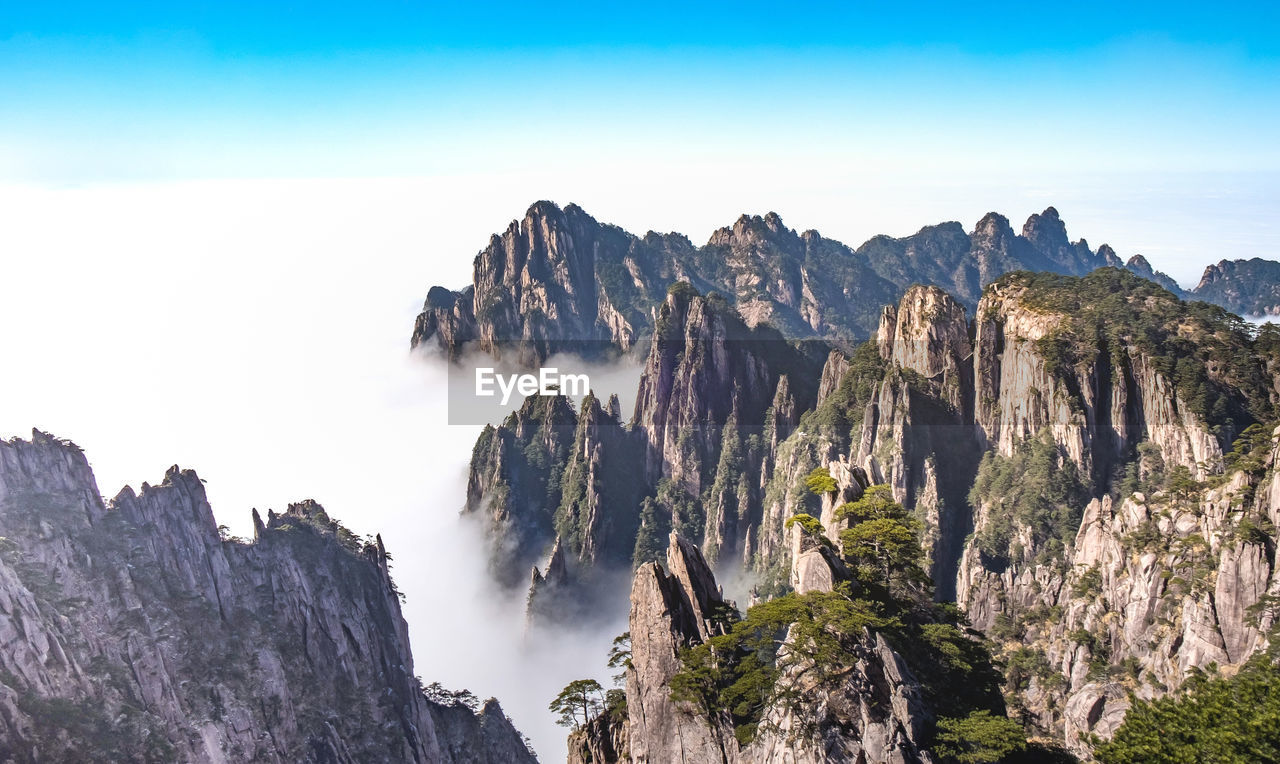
(1046, 236)
(136, 630)
(692, 455)
(550, 590)
(602, 741)
(918, 434)
(716, 399)
(671, 611)
(601, 488)
(876, 715)
(549, 484)
(800, 283)
(513, 487)
(483, 736)
(1139, 265)
(833, 372)
(449, 318)
(556, 281)
(704, 367)
(815, 564)
(1097, 395)
(1153, 587)
(927, 333)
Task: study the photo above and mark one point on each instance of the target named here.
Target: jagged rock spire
(259, 530)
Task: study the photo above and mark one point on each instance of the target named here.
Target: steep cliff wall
(918, 434)
(601, 488)
(133, 630)
(1104, 520)
(704, 368)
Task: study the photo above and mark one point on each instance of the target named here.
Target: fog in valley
(257, 339)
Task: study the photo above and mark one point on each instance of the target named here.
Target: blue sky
(147, 90)
(287, 28)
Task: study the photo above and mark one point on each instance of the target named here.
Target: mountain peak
(543, 208)
(753, 229)
(991, 224)
(1046, 229)
(1109, 256)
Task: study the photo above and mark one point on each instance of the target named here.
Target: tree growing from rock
(781, 652)
(580, 700)
(882, 540)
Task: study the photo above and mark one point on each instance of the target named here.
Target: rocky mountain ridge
(1248, 287)
(558, 280)
(135, 630)
(1085, 391)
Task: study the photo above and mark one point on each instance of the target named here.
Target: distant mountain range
(560, 276)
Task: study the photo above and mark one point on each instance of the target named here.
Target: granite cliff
(135, 630)
(692, 458)
(875, 711)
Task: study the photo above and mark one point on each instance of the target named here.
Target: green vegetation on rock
(1210, 356)
(744, 669)
(841, 413)
(979, 738)
(1037, 487)
(1231, 720)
